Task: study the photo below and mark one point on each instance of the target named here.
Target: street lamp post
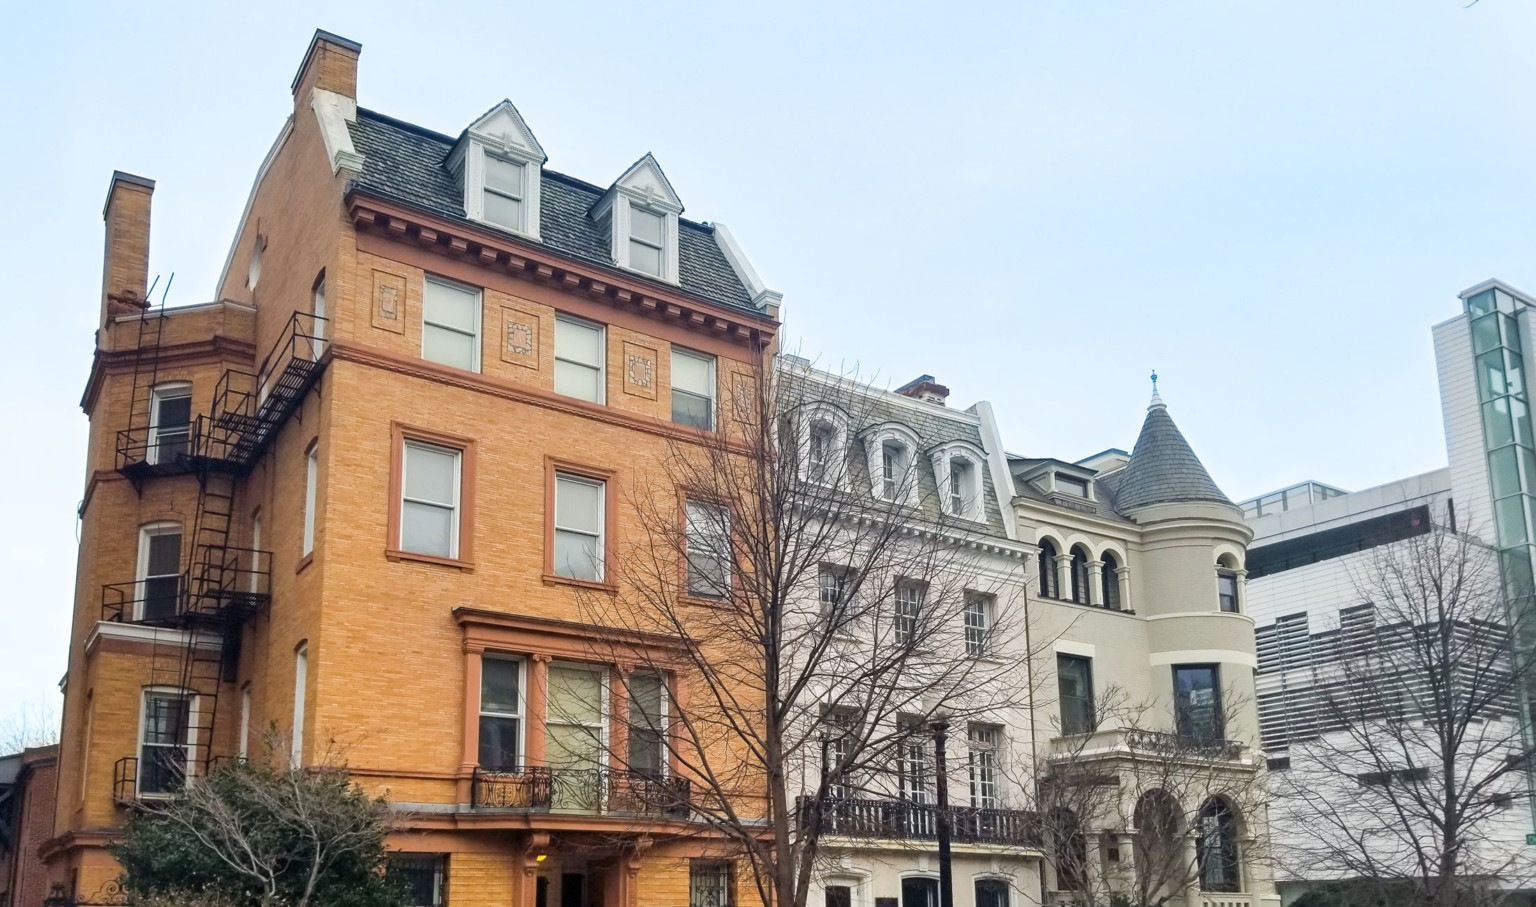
(941, 783)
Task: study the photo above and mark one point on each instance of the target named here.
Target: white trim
(654, 195)
(311, 484)
(194, 710)
(997, 465)
(602, 522)
(167, 390)
(454, 506)
(604, 696)
(250, 200)
(1226, 615)
(1073, 647)
(300, 694)
(479, 309)
(245, 720)
(762, 297)
(1203, 656)
(141, 570)
(602, 355)
(942, 457)
(875, 437)
(333, 112)
(713, 364)
(105, 629)
(524, 678)
(515, 143)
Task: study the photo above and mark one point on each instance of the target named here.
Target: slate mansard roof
(408, 163)
(1163, 469)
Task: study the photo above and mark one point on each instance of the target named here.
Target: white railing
(1212, 899)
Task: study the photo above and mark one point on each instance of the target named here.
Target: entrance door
(919, 893)
(573, 890)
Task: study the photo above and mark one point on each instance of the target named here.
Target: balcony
(1118, 741)
(223, 580)
(580, 791)
(136, 781)
(900, 820)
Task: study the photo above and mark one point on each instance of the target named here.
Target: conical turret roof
(1163, 469)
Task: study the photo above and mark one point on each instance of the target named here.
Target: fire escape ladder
(146, 374)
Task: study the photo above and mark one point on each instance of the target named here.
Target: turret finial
(1157, 399)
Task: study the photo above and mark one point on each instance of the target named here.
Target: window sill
(554, 579)
(397, 556)
(304, 562)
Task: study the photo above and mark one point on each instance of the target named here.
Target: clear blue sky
(1038, 203)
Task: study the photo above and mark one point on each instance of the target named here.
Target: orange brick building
(358, 497)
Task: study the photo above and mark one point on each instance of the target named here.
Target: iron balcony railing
(899, 820)
(1106, 743)
(598, 791)
(222, 578)
(160, 774)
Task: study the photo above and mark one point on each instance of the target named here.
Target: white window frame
(141, 572)
(665, 719)
(712, 394)
(972, 505)
(300, 693)
(907, 610)
(602, 356)
(254, 585)
(193, 708)
(832, 473)
(311, 481)
(841, 587)
(485, 189)
(317, 309)
(661, 249)
(711, 524)
(602, 524)
(479, 330)
(983, 762)
(158, 395)
(521, 717)
(501, 133)
(904, 442)
(245, 720)
(455, 509)
(978, 636)
(604, 701)
(916, 786)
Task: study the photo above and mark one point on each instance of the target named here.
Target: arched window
(1111, 582)
(820, 460)
(1216, 847)
(1079, 575)
(1226, 583)
(1070, 847)
(1048, 583)
(1159, 853)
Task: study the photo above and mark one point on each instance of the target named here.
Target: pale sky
(1038, 203)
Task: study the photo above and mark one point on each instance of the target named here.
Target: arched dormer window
(1079, 574)
(957, 468)
(1049, 584)
(822, 439)
(1226, 584)
(1110, 579)
(890, 449)
(1216, 847)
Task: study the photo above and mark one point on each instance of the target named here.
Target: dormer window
(504, 192)
(1072, 485)
(499, 165)
(893, 469)
(639, 213)
(957, 468)
(821, 439)
(890, 449)
(961, 484)
(647, 240)
(820, 457)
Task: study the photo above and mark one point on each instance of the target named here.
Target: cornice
(565, 629)
(70, 840)
(344, 351)
(195, 352)
(401, 222)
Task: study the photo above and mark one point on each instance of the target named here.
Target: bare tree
(31, 725)
(817, 600)
(1416, 775)
(1137, 811)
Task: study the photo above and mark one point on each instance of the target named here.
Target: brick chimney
(125, 263)
(330, 64)
(924, 388)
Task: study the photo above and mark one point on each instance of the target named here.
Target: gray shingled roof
(1163, 469)
(407, 162)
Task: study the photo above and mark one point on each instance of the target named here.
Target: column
(1093, 863)
(1123, 576)
(1242, 590)
(470, 756)
(538, 696)
(1126, 841)
(1192, 860)
(1096, 583)
(1064, 576)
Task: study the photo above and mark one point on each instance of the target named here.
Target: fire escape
(200, 612)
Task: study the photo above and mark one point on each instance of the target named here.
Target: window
(984, 742)
(693, 389)
(1070, 847)
(159, 591)
(647, 239)
(1050, 583)
(915, 764)
(300, 681)
(1216, 847)
(647, 723)
(893, 470)
(311, 479)
(709, 550)
(501, 713)
(260, 565)
(1074, 684)
(245, 720)
(424, 876)
(1226, 590)
(909, 607)
(834, 588)
(579, 524)
(450, 324)
(1079, 575)
(1072, 485)
(1197, 703)
(579, 359)
(1109, 577)
(838, 896)
(961, 486)
(430, 488)
(919, 892)
(820, 453)
(164, 742)
(253, 272)
(575, 731)
(709, 883)
(318, 308)
(504, 192)
(978, 625)
(840, 726)
(991, 893)
(170, 423)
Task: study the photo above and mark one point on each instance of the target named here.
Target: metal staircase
(223, 585)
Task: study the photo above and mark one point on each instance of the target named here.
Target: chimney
(924, 388)
(125, 263)
(330, 64)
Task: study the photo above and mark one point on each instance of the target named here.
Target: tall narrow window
(1109, 576)
(423, 876)
(1197, 703)
(1074, 684)
(709, 550)
(429, 502)
(245, 720)
(504, 192)
(709, 884)
(170, 422)
(1226, 590)
(501, 713)
(984, 741)
(834, 587)
(311, 479)
(1049, 582)
(820, 454)
(159, 572)
(579, 527)
(840, 727)
(300, 685)
(260, 566)
(647, 238)
(978, 624)
(960, 486)
(647, 723)
(1216, 847)
(893, 470)
(693, 389)
(579, 359)
(164, 740)
(1079, 575)
(574, 734)
(450, 324)
(915, 764)
(909, 609)
(317, 307)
